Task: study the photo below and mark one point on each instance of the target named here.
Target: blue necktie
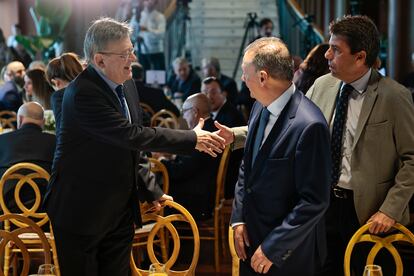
(264, 118)
(120, 93)
(338, 131)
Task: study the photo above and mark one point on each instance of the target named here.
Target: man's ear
(19, 121)
(361, 56)
(98, 60)
(263, 76)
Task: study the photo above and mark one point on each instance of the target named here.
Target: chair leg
(163, 244)
(216, 243)
(15, 262)
(7, 254)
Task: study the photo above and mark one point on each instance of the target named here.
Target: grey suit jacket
(382, 162)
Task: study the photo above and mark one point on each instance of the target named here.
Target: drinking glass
(372, 270)
(157, 270)
(47, 270)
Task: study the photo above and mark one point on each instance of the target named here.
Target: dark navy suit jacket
(283, 197)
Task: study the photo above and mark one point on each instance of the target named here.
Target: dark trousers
(341, 224)
(106, 253)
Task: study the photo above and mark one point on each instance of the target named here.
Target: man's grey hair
(211, 61)
(179, 61)
(272, 55)
(100, 33)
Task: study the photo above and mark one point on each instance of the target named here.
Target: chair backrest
(177, 214)
(158, 167)
(165, 118)
(147, 109)
(8, 119)
(401, 234)
(221, 176)
(25, 174)
(7, 236)
(235, 261)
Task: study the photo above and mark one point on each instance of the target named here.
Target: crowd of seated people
(213, 98)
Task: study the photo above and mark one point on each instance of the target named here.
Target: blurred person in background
(314, 66)
(11, 92)
(211, 68)
(37, 64)
(152, 29)
(185, 81)
(26, 144)
(60, 72)
(38, 88)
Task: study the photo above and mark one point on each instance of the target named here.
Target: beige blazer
(382, 161)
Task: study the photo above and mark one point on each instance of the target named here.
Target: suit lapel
(278, 130)
(132, 99)
(106, 90)
(328, 104)
(367, 105)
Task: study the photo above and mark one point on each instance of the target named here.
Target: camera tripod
(251, 31)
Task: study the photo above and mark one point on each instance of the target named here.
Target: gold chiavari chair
(210, 230)
(177, 214)
(25, 175)
(165, 118)
(234, 258)
(15, 238)
(8, 119)
(141, 234)
(401, 234)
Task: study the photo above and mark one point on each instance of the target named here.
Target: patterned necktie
(120, 93)
(264, 118)
(338, 130)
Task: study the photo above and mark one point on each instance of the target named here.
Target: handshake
(213, 142)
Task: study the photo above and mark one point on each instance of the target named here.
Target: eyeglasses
(124, 56)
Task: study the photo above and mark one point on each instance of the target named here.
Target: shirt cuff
(237, 223)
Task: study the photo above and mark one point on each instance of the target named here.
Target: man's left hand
(380, 223)
(259, 262)
(157, 203)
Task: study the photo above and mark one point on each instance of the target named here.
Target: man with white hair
(27, 144)
(10, 97)
(92, 198)
(185, 81)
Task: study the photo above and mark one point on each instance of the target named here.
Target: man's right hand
(224, 132)
(208, 142)
(241, 240)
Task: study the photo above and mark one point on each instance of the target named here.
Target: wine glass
(47, 269)
(372, 270)
(157, 270)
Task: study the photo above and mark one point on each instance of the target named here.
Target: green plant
(50, 18)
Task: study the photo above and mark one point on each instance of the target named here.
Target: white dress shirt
(153, 37)
(356, 99)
